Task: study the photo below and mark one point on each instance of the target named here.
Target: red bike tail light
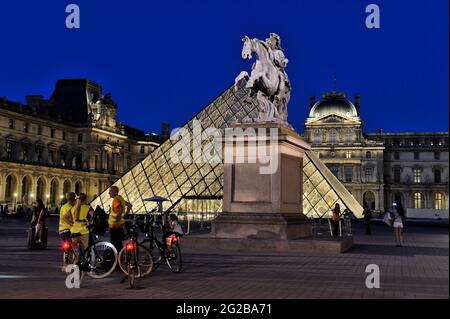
(66, 245)
(174, 238)
(130, 246)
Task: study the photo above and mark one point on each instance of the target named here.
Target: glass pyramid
(196, 188)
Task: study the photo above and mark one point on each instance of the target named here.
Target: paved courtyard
(419, 270)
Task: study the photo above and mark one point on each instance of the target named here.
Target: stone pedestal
(262, 200)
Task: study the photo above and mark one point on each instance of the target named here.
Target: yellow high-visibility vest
(114, 220)
(64, 209)
(80, 226)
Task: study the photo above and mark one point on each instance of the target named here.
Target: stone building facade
(379, 168)
(70, 142)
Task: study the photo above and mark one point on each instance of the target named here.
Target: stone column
(259, 200)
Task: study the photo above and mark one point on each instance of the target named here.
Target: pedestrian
(367, 216)
(38, 221)
(335, 219)
(398, 215)
(116, 221)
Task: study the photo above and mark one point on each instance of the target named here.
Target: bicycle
(158, 248)
(135, 260)
(98, 260)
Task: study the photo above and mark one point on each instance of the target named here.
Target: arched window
(40, 187)
(10, 187)
(368, 155)
(66, 187)
(77, 188)
(53, 188)
(438, 201)
(418, 200)
(26, 186)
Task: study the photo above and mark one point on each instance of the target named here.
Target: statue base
(259, 202)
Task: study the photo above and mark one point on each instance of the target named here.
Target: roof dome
(333, 103)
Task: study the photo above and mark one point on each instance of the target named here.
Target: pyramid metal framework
(183, 183)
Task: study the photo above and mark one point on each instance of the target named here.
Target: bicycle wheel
(144, 260)
(102, 257)
(173, 259)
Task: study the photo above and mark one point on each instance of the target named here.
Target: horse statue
(268, 81)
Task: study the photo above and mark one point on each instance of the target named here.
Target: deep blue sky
(165, 60)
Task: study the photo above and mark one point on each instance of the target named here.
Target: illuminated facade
(70, 142)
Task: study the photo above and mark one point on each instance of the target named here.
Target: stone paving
(418, 270)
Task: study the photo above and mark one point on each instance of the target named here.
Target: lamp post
(15, 201)
(47, 197)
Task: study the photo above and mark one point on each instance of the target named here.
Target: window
(333, 137)
(397, 174)
(39, 130)
(9, 150)
(417, 200)
(26, 127)
(96, 162)
(369, 174)
(437, 155)
(25, 153)
(437, 175)
(416, 156)
(348, 173)
(348, 137)
(52, 133)
(142, 149)
(51, 157)
(348, 154)
(129, 147)
(80, 137)
(11, 124)
(416, 172)
(317, 138)
(396, 156)
(368, 155)
(438, 201)
(64, 135)
(96, 138)
(334, 168)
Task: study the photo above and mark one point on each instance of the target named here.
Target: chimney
(357, 102)
(165, 130)
(312, 101)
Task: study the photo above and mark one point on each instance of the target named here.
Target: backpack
(100, 221)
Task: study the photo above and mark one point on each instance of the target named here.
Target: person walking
(116, 221)
(367, 216)
(335, 219)
(398, 215)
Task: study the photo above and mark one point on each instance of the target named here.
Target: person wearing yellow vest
(64, 227)
(117, 213)
(79, 218)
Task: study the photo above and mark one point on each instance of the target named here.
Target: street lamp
(15, 201)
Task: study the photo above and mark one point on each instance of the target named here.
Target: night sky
(165, 60)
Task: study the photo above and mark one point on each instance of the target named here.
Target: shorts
(397, 225)
(65, 235)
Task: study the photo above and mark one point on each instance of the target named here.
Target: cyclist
(79, 217)
(116, 221)
(64, 227)
(174, 230)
